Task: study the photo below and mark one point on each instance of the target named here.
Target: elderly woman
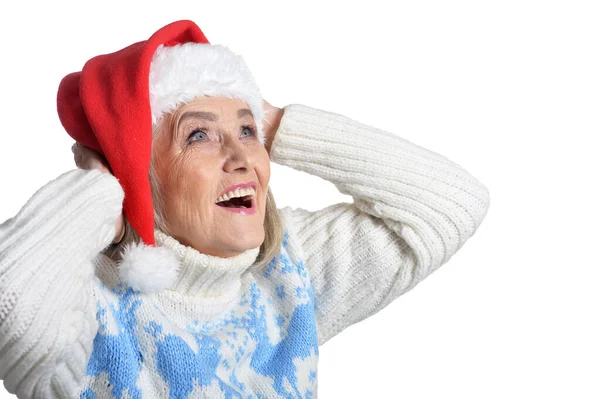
(169, 272)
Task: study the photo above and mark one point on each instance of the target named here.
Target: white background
(510, 90)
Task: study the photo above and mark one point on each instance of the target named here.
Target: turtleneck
(206, 275)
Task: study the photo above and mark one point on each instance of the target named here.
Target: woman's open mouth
(239, 205)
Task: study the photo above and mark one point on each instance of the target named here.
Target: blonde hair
(273, 225)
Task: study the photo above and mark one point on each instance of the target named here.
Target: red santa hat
(114, 102)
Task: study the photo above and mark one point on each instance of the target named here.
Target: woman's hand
(86, 158)
(273, 117)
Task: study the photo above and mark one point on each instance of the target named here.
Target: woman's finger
(86, 158)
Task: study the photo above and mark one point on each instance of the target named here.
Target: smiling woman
(201, 153)
(144, 277)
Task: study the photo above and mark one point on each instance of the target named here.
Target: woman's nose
(238, 155)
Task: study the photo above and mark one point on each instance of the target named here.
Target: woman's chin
(244, 239)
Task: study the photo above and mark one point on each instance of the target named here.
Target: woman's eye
(250, 129)
(196, 133)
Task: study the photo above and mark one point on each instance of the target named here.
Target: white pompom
(148, 269)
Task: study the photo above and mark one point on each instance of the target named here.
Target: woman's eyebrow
(210, 116)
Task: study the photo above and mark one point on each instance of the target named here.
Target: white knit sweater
(69, 328)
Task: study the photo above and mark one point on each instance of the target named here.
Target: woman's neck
(201, 274)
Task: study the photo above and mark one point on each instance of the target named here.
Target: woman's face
(203, 148)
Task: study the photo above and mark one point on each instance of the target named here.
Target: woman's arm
(413, 209)
(47, 308)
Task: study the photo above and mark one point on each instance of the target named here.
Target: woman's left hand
(272, 118)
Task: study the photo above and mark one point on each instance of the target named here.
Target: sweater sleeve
(412, 210)
(47, 302)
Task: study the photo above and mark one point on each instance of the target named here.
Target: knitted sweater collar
(206, 275)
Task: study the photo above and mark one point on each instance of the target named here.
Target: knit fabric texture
(70, 329)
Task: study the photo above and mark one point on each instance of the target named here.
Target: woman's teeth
(238, 192)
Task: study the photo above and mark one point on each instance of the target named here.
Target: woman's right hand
(86, 158)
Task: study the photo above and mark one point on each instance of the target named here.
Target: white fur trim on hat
(182, 72)
(148, 269)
